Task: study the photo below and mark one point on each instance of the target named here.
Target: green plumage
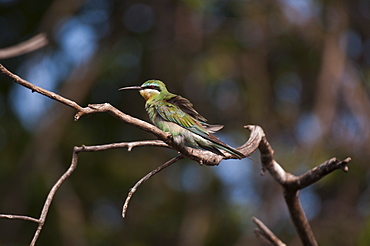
(176, 115)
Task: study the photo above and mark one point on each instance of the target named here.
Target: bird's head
(149, 89)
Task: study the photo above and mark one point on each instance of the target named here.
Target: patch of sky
(236, 175)
(192, 180)
(77, 40)
(29, 106)
(308, 129)
(300, 11)
(188, 178)
(311, 202)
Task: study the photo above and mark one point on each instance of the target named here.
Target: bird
(175, 114)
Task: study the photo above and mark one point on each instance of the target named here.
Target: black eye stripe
(152, 87)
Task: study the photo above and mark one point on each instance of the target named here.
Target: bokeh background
(298, 68)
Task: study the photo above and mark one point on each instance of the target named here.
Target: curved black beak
(130, 88)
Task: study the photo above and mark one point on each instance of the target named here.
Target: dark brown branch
(72, 167)
(145, 178)
(201, 156)
(198, 155)
(299, 218)
(291, 183)
(317, 173)
(27, 46)
(265, 234)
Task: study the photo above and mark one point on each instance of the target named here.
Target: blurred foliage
(300, 69)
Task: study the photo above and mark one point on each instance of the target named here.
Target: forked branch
(290, 183)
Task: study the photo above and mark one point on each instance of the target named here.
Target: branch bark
(265, 234)
(198, 155)
(72, 167)
(290, 183)
(145, 178)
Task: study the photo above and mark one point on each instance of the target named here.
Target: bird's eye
(153, 87)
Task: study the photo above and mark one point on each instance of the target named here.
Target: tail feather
(230, 150)
(221, 145)
(212, 149)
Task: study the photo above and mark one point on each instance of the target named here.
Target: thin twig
(22, 48)
(19, 217)
(264, 233)
(51, 194)
(40, 90)
(145, 178)
(290, 182)
(128, 145)
(72, 167)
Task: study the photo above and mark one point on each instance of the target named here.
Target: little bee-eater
(174, 114)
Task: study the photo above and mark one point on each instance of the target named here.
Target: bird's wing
(173, 113)
(187, 107)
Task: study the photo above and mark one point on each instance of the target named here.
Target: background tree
(300, 69)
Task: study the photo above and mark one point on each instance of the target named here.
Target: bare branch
(317, 173)
(291, 183)
(51, 194)
(40, 90)
(291, 195)
(145, 178)
(128, 145)
(27, 46)
(201, 156)
(265, 234)
(72, 167)
(299, 218)
(19, 217)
